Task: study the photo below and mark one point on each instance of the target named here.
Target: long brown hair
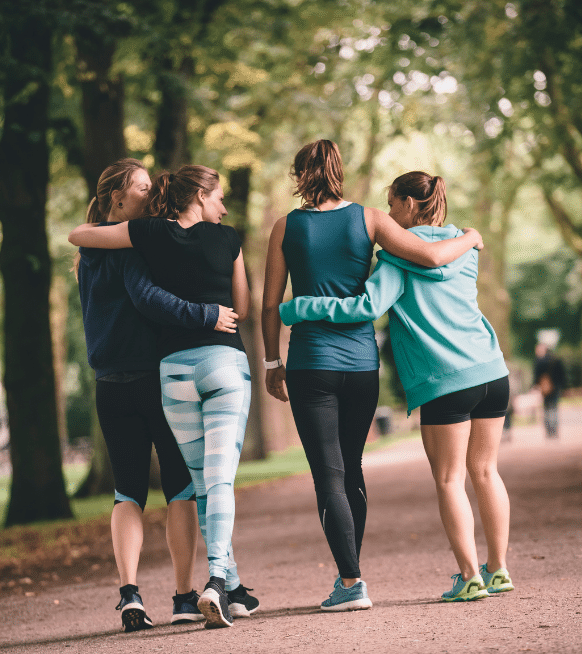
(319, 173)
(116, 177)
(172, 193)
(429, 191)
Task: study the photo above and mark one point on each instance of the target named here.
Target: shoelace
(456, 578)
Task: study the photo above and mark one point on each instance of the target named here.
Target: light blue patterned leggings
(206, 394)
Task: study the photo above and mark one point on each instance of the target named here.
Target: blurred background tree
(485, 94)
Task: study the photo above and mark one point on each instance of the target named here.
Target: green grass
(276, 466)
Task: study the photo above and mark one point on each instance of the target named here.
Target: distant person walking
(204, 374)
(550, 378)
(450, 364)
(332, 370)
(122, 348)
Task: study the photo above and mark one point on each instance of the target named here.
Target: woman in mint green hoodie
(450, 364)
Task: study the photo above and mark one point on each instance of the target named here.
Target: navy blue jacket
(112, 285)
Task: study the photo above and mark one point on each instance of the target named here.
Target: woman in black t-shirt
(205, 375)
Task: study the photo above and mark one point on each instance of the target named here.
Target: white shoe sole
(238, 610)
(209, 604)
(354, 605)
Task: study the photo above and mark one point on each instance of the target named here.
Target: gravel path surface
(406, 562)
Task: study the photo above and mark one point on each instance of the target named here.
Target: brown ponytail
(318, 171)
(116, 177)
(173, 193)
(430, 193)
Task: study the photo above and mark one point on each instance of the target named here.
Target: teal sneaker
(465, 591)
(496, 582)
(353, 598)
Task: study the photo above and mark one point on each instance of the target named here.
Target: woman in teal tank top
(332, 370)
(313, 268)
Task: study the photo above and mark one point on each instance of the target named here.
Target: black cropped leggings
(131, 419)
(333, 412)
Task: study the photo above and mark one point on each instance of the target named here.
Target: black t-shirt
(196, 264)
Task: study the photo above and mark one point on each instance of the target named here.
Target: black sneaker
(186, 609)
(214, 605)
(133, 615)
(240, 603)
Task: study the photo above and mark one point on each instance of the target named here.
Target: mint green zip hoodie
(441, 341)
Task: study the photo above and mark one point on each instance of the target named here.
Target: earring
(120, 204)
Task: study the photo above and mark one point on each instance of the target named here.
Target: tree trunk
(237, 203)
(103, 115)
(59, 303)
(494, 299)
(104, 144)
(366, 170)
(38, 487)
(171, 146)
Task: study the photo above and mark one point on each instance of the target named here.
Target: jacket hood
(431, 234)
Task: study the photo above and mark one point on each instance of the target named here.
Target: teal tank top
(329, 253)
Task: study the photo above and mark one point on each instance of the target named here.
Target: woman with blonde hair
(204, 374)
(331, 373)
(450, 364)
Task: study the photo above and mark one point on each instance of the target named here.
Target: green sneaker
(465, 591)
(496, 582)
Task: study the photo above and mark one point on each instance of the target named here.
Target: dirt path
(406, 562)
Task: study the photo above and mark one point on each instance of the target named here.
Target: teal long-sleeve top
(441, 341)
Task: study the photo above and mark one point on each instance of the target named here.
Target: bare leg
(127, 536)
(446, 448)
(491, 494)
(182, 537)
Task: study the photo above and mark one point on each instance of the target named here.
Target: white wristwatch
(269, 365)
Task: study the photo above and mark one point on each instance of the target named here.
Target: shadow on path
(162, 630)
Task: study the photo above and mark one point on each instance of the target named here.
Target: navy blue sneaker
(240, 603)
(186, 609)
(133, 615)
(213, 603)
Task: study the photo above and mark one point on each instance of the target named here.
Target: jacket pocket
(402, 361)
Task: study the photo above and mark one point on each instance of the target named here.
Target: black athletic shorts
(488, 400)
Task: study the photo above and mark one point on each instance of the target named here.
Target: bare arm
(275, 283)
(113, 237)
(406, 245)
(241, 296)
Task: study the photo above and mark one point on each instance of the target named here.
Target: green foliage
(452, 87)
(546, 294)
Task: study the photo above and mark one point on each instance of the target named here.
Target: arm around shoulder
(109, 237)
(404, 244)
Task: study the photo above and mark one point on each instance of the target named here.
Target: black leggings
(333, 412)
(131, 419)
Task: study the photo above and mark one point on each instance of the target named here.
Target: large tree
(38, 488)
